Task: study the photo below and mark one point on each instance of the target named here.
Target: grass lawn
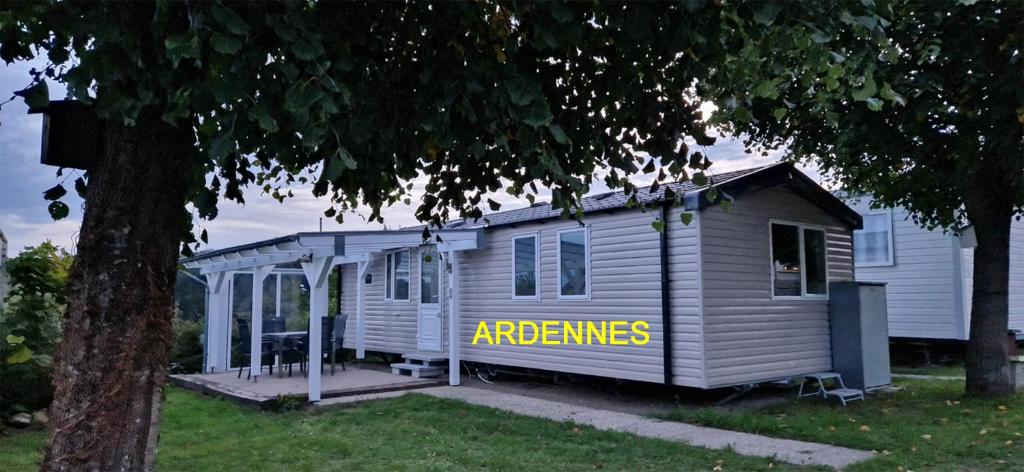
(412, 432)
(926, 426)
(934, 369)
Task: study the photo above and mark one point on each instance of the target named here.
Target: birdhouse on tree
(72, 134)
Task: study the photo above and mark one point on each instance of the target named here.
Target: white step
(426, 358)
(846, 392)
(417, 370)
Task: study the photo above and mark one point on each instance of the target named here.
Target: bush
(187, 350)
(30, 327)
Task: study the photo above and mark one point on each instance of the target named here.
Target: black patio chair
(245, 339)
(294, 351)
(338, 340)
(326, 340)
(273, 325)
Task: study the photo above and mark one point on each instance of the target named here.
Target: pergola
(317, 253)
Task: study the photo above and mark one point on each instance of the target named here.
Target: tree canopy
(918, 103)
(360, 98)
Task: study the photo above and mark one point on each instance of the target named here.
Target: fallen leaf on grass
(865, 428)
(1008, 443)
(984, 431)
(1002, 407)
(926, 437)
(832, 428)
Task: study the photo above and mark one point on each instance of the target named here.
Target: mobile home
(928, 273)
(739, 295)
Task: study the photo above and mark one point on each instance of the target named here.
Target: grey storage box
(860, 333)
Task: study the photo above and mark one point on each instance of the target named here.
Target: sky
(25, 221)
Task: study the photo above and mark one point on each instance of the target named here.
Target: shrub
(30, 327)
(187, 350)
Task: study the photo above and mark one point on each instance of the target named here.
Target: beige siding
(921, 285)
(1016, 293)
(390, 325)
(685, 301)
(625, 285)
(748, 336)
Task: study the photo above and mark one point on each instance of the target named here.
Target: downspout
(666, 292)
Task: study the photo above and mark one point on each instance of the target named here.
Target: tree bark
(988, 368)
(111, 365)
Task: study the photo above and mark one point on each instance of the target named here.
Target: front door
(429, 333)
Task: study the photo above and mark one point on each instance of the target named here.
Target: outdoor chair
(338, 339)
(273, 325)
(245, 341)
(326, 340)
(293, 351)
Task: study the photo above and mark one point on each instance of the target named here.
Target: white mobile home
(928, 273)
(738, 296)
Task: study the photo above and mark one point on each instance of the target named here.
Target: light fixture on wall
(369, 279)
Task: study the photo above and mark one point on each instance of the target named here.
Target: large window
(525, 251)
(574, 264)
(799, 266)
(872, 246)
(396, 277)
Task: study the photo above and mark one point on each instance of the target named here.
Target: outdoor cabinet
(860, 333)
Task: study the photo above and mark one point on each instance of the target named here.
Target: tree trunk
(111, 365)
(988, 368)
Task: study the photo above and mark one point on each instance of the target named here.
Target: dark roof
(731, 184)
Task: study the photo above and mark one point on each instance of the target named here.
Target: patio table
(278, 339)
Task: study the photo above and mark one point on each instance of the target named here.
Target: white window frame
(536, 266)
(390, 267)
(892, 241)
(803, 262)
(558, 261)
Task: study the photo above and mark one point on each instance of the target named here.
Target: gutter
(666, 292)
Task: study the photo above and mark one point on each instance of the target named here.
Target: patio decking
(267, 393)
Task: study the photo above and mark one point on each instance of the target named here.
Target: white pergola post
(360, 309)
(453, 320)
(259, 274)
(317, 273)
(217, 322)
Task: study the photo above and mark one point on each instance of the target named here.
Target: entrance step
(431, 359)
(417, 370)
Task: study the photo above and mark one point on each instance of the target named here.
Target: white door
(428, 336)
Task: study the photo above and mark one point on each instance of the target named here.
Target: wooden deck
(268, 392)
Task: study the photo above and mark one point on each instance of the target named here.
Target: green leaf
(225, 44)
(780, 113)
(559, 135)
(726, 205)
(767, 89)
(522, 91)
(874, 104)
(766, 12)
(55, 192)
(538, 115)
(686, 218)
(307, 50)
(14, 340)
(712, 194)
(23, 354)
(866, 91)
(80, 187)
(495, 206)
(182, 46)
(58, 210)
(300, 96)
(36, 96)
(658, 225)
(346, 158)
(229, 18)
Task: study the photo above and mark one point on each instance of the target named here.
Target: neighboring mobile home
(928, 273)
(738, 296)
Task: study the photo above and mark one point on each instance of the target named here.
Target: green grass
(412, 432)
(934, 369)
(926, 426)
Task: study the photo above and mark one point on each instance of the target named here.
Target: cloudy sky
(25, 221)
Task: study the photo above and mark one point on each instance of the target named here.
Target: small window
(799, 265)
(872, 246)
(573, 264)
(525, 260)
(396, 276)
